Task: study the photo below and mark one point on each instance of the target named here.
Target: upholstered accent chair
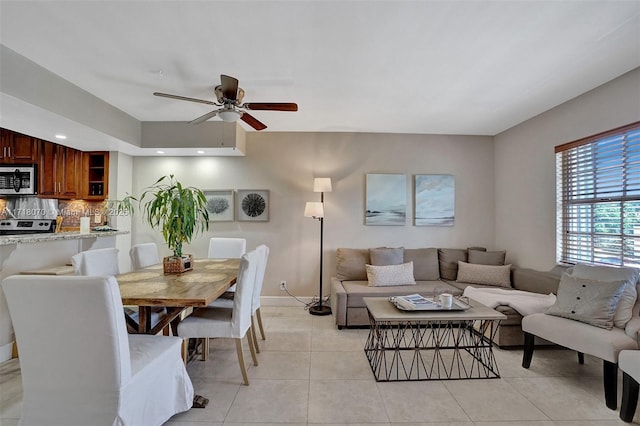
(596, 313)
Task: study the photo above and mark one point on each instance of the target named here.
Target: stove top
(26, 226)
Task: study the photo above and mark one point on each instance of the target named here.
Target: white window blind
(598, 198)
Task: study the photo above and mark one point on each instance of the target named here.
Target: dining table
(150, 288)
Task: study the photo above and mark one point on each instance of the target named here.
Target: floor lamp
(316, 211)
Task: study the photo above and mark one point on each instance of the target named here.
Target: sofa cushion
(390, 275)
(589, 301)
(624, 311)
(448, 262)
(487, 257)
(425, 263)
(386, 256)
(499, 275)
(350, 263)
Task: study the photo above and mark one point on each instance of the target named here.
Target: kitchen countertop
(37, 238)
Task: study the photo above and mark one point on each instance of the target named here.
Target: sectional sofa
(432, 268)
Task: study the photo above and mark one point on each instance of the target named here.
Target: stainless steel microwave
(18, 180)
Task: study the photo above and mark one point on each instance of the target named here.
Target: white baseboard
(283, 301)
(6, 351)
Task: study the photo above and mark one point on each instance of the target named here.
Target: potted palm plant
(180, 212)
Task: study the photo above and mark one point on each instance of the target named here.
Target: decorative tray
(424, 304)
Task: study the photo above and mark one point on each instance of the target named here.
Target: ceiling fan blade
(183, 98)
(229, 87)
(205, 117)
(271, 106)
(252, 121)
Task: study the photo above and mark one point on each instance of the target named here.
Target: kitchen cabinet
(59, 171)
(95, 175)
(16, 148)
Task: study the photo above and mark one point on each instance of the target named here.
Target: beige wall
(286, 163)
(525, 166)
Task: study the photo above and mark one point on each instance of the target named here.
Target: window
(598, 198)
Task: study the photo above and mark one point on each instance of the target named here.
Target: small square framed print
(252, 205)
(220, 205)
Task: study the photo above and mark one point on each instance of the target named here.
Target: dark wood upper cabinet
(59, 171)
(16, 148)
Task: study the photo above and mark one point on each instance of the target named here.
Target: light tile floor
(311, 373)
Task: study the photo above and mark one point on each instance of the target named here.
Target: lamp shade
(322, 185)
(314, 210)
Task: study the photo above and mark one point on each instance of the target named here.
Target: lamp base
(320, 309)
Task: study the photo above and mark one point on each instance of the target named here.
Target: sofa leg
(610, 375)
(630, 390)
(527, 355)
(580, 358)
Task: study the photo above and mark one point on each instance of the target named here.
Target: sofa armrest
(543, 282)
(338, 302)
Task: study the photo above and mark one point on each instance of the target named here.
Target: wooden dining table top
(198, 287)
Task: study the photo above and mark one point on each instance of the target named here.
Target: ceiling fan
(229, 97)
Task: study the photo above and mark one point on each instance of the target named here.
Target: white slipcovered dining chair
(99, 262)
(227, 302)
(143, 255)
(227, 248)
(230, 323)
(119, 379)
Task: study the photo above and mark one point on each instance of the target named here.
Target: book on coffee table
(417, 302)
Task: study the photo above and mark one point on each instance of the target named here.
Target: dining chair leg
(166, 331)
(205, 348)
(253, 336)
(185, 350)
(243, 367)
(252, 347)
(260, 324)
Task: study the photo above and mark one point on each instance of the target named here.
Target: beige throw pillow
(390, 275)
(484, 274)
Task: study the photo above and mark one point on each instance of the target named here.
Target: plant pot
(177, 265)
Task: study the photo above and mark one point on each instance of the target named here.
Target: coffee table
(431, 345)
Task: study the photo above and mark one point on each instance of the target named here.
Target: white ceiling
(448, 67)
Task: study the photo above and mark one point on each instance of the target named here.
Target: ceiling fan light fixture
(230, 116)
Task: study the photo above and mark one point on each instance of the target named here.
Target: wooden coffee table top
(383, 310)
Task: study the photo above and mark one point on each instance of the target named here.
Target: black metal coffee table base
(414, 349)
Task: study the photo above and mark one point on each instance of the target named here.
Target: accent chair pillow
(390, 275)
(350, 264)
(496, 275)
(589, 301)
(386, 256)
(624, 312)
(487, 257)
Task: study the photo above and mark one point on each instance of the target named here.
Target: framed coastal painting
(386, 199)
(220, 205)
(252, 205)
(435, 199)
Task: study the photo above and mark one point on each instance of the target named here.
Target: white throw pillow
(624, 310)
(390, 275)
(484, 274)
